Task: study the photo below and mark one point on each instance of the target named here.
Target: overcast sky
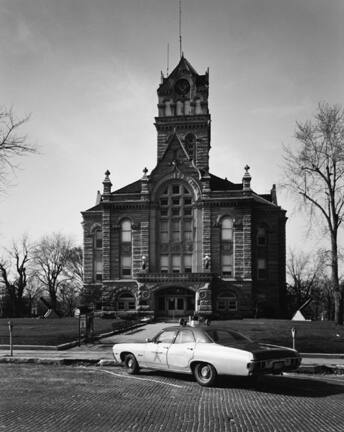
(88, 71)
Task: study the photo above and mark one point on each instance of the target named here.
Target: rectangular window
(227, 265)
(175, 211)
(175, 201)
(126, 266)
(175, 231)
(187, 211)
(187, 231)
(164, 232)
(176, 263)
(163, 201)
(187, 263)
(164, 263)
(261, 266)
(164, 211)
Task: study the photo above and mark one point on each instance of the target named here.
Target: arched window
(227, 302)
(98, 255)
(227, 247)
(176, 229)
(126, 249)
(227, 229)
(126, 301)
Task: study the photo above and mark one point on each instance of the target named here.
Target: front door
(175, 306)
(175, 303)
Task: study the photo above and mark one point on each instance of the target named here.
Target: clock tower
(183, 110)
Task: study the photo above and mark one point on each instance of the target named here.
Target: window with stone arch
(227, 270)
(227, 302)
(97, 254)
(175, 228)
(126, 301)
(126, 249)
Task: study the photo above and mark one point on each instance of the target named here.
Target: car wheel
(131, 364)
(205, 374)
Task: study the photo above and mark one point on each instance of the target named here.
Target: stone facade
(182, 241)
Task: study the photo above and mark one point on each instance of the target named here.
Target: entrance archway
(174, 302)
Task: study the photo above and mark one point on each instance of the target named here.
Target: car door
(156, 351)
(181, 352)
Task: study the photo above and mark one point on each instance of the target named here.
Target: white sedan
(206, 352)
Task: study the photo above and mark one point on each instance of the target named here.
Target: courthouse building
(180, 240)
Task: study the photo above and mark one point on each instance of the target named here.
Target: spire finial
(107, 184)
(246, 180)
(180, 29)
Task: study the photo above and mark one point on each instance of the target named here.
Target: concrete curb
(311, 369)
(57, 361)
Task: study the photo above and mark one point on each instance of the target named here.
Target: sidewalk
(100, 353)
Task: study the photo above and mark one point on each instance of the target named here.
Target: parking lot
(79, 398)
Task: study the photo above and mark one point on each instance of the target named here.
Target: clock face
(182, 86)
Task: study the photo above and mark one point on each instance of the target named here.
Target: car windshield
(227, 337)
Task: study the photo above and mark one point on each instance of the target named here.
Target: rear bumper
(273, 366)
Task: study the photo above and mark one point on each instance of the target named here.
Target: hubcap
(130, 363)
(205, 371)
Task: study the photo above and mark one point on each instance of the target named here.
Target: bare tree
(74, 267)
(16, 280)
(315, 171)
(12, 144)
(70, 290)
(304, 273)
(50, 256)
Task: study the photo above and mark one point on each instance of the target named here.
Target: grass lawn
(311, 336)
(316, 336)
(52, 331)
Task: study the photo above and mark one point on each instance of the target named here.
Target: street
(89, 398)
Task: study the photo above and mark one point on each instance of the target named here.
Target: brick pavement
(74, 399)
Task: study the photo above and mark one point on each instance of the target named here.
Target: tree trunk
(337, 294)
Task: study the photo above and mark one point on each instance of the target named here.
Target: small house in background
(179, 240)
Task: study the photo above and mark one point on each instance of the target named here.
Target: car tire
(205, 374)
(131, 364)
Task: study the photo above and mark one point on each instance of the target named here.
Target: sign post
(293, 334)
(10, 328)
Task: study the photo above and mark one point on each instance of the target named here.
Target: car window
(225, 337)
(166, 336)
(184, 336)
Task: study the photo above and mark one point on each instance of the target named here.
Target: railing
(175, 277)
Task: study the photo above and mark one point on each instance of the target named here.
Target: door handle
(190, 349)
